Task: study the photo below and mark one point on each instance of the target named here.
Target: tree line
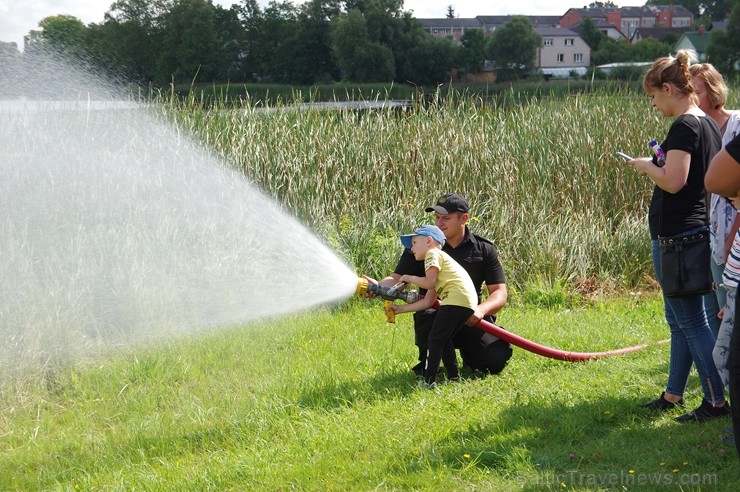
(320, 41)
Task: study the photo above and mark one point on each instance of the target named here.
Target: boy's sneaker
(705, 412)
(418, 369)
(423, 384)
(661, 404)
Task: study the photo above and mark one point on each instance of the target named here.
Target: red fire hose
(552, 353)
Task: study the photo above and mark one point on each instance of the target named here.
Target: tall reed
(540, 174)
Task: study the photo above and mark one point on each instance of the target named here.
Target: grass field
(326, 401)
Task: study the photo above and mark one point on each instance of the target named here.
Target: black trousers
(480, 351)
(446, 324)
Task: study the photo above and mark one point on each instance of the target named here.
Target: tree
(381, 17)
(392, 31)
(310, 53)
(349, 36)
(376, 63)
(132, 34)
(107, 45)
(253, 53)
(472, 51)
(450, 12)
(718, 9)
(230, 34)
(590, 34)
(649, 49)
(602, 5)
(410, 42)
(64, 34)
(430, 61)
(513, 48)
(712, 9)
(360, 58)
(611, 51)
(724, 47)
(189, 42)
(279, 24)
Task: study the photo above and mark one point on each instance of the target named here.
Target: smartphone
(624, 156)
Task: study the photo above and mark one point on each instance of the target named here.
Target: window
(560, 58)
(547, 42)
(578, 57)
(568, 41)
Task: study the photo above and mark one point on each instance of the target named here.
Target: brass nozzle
(362, 284)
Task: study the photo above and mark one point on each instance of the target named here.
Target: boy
(447, 280)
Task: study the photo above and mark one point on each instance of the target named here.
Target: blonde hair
(716, 87)
(670, 70)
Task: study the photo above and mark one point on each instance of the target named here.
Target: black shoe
(729, 436)
(425, 385)
(705, 412)
(661, 404)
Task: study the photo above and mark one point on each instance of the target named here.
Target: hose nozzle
(385, 292)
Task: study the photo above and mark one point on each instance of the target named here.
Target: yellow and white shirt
(454, 286)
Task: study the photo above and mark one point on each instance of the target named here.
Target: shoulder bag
(684, 264)
(685, 259)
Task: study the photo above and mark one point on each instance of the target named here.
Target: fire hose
(390, 294)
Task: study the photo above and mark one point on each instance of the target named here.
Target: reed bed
(540, 174)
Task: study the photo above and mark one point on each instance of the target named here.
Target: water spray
(390, 294)
(119, 228)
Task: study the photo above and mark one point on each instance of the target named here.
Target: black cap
(451, 202)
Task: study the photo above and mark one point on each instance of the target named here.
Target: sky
(18, 17)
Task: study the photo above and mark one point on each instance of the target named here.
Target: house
(605, 20)
(607, 29)
(696, 41)
(675, 16)
(718, 26)
(491, 22)
(665, 34)
(445, 27)
(562, 52)
(456, 27)
(631, 19)
(628, 20)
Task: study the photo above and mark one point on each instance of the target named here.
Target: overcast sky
(18, 17)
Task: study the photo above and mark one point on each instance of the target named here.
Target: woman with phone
(679, 209)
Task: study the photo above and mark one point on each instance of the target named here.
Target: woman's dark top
(671, 214)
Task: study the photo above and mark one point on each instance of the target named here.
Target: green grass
(325, 400)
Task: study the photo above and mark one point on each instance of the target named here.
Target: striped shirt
(731, 275)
